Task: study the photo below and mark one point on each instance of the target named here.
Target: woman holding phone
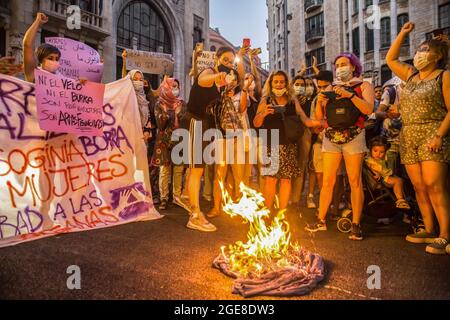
(344, 106)
(278, 100)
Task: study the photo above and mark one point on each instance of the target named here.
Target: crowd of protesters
(329, 127)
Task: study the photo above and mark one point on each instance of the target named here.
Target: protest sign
(65, 105)
(206, 60)
(150, 62)
(78, 60)
(52, 183)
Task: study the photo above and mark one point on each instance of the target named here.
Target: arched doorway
(141, 25)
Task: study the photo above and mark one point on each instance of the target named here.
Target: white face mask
(51, 66)
(309, 91)
(176, 92)
(138, 85)
(421, 60)
(344, 74)
(279, 92)
(299, 90)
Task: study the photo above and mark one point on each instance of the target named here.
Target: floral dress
(165, 121)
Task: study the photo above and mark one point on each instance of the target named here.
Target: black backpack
(342, 113)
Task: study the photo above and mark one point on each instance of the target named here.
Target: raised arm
(124, 63)
(314, 66)
(195, 55)
(244, 97)
(207, 79)
(29, 61)
(241, 65)
(255, 72)
(401, 69)
(302, 70)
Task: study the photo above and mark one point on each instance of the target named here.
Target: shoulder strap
(412, 76)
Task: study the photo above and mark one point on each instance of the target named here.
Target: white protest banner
(78, 60)
(150, 62)
(65, 105)
(54, 183)
(206, 60)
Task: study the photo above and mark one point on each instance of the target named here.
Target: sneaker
(438, 246)
(317, 226)
(421, 237)
(402, 204)
(356, 233)
(310, 202)
(163, 205)
(198, 222)
(183, 203)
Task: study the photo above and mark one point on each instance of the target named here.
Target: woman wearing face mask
(278, 92)
(344, 106)
(424, 138)
(305, 92)
(205, 90)
(169, 110)
(47, 55)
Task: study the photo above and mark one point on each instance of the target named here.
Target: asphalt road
(165, 260)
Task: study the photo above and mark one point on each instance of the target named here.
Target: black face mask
(223, 68)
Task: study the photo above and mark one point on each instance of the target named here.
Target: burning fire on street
(268, 263)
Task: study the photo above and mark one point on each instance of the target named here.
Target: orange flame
(267, 248)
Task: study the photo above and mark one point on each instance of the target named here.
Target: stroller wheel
(344, 225)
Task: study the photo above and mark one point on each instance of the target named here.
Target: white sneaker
(310, 203)
(198, 222)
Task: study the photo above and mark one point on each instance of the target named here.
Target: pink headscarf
(166, 97)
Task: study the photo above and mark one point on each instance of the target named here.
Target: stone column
(377, 41)
(362, 31)
(393, 20)
(350, 25)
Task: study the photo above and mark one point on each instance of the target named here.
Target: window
(347, 43)
(368, 3)
(356, 44)
(198, 30)
(401, 21)
(385, 32)
(444, 15)
(386, 73)
(369, 39)
(139, 20)
(314, 26)
(355, 6)
(318, 53)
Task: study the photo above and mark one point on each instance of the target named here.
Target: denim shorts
(356, 146)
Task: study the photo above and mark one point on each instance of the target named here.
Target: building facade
(169, 26)
(324, 28)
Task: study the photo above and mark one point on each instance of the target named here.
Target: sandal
(402, 204)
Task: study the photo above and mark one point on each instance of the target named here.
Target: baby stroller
(380, 202)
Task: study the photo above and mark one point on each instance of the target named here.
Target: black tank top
(275, 122)
(200, 98)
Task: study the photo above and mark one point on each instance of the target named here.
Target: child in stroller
(377, 165)
(380, 184)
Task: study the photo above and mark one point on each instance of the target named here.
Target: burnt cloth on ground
(293, 281)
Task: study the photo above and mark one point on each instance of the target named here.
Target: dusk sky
(238, 19)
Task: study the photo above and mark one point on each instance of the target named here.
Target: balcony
(314, 35)
(311, 5)
(91, 15)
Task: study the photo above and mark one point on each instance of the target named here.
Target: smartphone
(279, 109)
(246, 43)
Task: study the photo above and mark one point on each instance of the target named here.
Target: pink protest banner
(78, 60)
(65, 105)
